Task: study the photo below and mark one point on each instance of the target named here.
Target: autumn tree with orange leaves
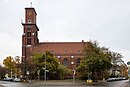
(12, 64)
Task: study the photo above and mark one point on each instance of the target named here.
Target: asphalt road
(65, 83)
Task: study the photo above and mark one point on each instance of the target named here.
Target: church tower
(30, 33)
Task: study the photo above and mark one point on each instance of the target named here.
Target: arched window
(29, 32)
(66, 62)
(78, 61)
(29, 36)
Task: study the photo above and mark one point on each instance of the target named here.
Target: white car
(17, 79)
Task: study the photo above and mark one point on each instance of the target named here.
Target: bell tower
(30, 15)
(30, 33)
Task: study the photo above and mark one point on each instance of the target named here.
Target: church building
(68, 53)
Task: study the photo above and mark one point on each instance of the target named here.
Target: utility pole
(45, 70)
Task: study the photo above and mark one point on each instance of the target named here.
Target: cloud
(106, 21)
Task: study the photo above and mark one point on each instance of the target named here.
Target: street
(64, 83)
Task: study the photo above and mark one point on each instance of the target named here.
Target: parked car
(116, 79)
(89, 80)
(122, 78)
(17, 80)
(8, 79)
(110, 79)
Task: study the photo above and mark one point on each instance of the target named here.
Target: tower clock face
(29, 13)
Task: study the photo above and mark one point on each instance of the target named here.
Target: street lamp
(45, 74)
(45, 70)
(38, 73)
(74, 75)
(27, 75)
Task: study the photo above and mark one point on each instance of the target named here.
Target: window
(65, 62)
(65, 51)
(29, 28)
(78, 51)
(29, 34)
(78, 61)
(29, 41)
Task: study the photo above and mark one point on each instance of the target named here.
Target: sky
(106, 21)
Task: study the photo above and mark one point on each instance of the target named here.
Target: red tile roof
(59, 48)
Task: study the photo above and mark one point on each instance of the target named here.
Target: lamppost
(45, 69)
(38, 73)
(27, 75)
(73, 75)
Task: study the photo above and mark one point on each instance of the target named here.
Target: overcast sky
(107, 21)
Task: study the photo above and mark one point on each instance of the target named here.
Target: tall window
(29, 36)
(66, 62)
(28, 41)
(29, 32)
(78, 62)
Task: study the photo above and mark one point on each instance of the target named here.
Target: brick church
(68, 53)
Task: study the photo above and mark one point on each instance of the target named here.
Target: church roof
(59, 48)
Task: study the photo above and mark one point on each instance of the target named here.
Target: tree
(17, 59)
(18, 66)
(9, 62)
(13, 65)
(52, 63)
(3, 72)
(94, 62)
(119, 68)
(63, 71)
